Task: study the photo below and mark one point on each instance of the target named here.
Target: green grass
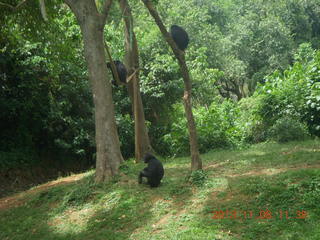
(277, 177)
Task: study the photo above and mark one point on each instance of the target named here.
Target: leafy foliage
(287, 129)
(216, 126)
(285, 107)
(236, 47)
(198, 178)
(45, 109)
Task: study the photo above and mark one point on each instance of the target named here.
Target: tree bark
(196, 162)
(142, 142)
(92, 24)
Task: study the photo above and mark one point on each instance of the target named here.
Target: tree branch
(14, 8)
(69, 2)
(43, 10)
(106, 9)
(132, 75)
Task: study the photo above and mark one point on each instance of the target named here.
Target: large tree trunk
(107, 141)
(142, 142)
(196, 162)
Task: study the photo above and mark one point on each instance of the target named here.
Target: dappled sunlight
(160, 207)
(178, 166)
(180, 207)
(253, 153)
(300, 150)
(311, 149)
(72, 220)
(75, 219)
(217, 183)
(216, 165)
(260, 172)
(110, 200)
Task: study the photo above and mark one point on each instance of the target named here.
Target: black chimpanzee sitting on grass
(153, 172)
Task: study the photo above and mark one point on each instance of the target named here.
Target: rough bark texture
(107, 141)
(196, 162)
(142, 142)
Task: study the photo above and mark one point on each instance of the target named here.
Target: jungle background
(255, 68)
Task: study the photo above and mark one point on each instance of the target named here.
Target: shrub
(126, 134)
(287, 105)
(288, 129)
(252, 128)
(197, 178)
(216, 128)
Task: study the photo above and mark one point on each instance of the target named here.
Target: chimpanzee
(153, 172)
(122, 72)
(180, 36)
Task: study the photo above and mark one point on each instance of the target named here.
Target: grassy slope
(265, 176)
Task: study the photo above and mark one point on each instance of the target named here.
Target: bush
(197, 178)
(216, 128)
(19, 157)
(287, 106)
(126, 135)
(252, 129)
(288, 129)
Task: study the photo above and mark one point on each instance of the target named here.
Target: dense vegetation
(255, 69)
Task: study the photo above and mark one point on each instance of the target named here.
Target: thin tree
(196, 162)
(142, 142)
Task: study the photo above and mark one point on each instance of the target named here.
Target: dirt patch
(162, 221)
(216, 165)
(157, 227)
(18, 199)
(298, 149)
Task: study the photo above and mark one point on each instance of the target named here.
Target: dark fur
(153, 172)
(180, 36)
(122, 72)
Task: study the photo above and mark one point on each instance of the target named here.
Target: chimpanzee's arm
(143, 173)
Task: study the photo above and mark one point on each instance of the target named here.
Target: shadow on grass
(85, 210)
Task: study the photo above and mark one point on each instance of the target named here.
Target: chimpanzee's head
(147, 157)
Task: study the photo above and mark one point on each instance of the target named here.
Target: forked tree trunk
(142, 142)
(196, 162)
(107, 141)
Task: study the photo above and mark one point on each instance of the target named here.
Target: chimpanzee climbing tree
(196, 162)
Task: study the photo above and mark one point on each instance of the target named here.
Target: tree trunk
(142, 142)
(196, 162)
(107, 140)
